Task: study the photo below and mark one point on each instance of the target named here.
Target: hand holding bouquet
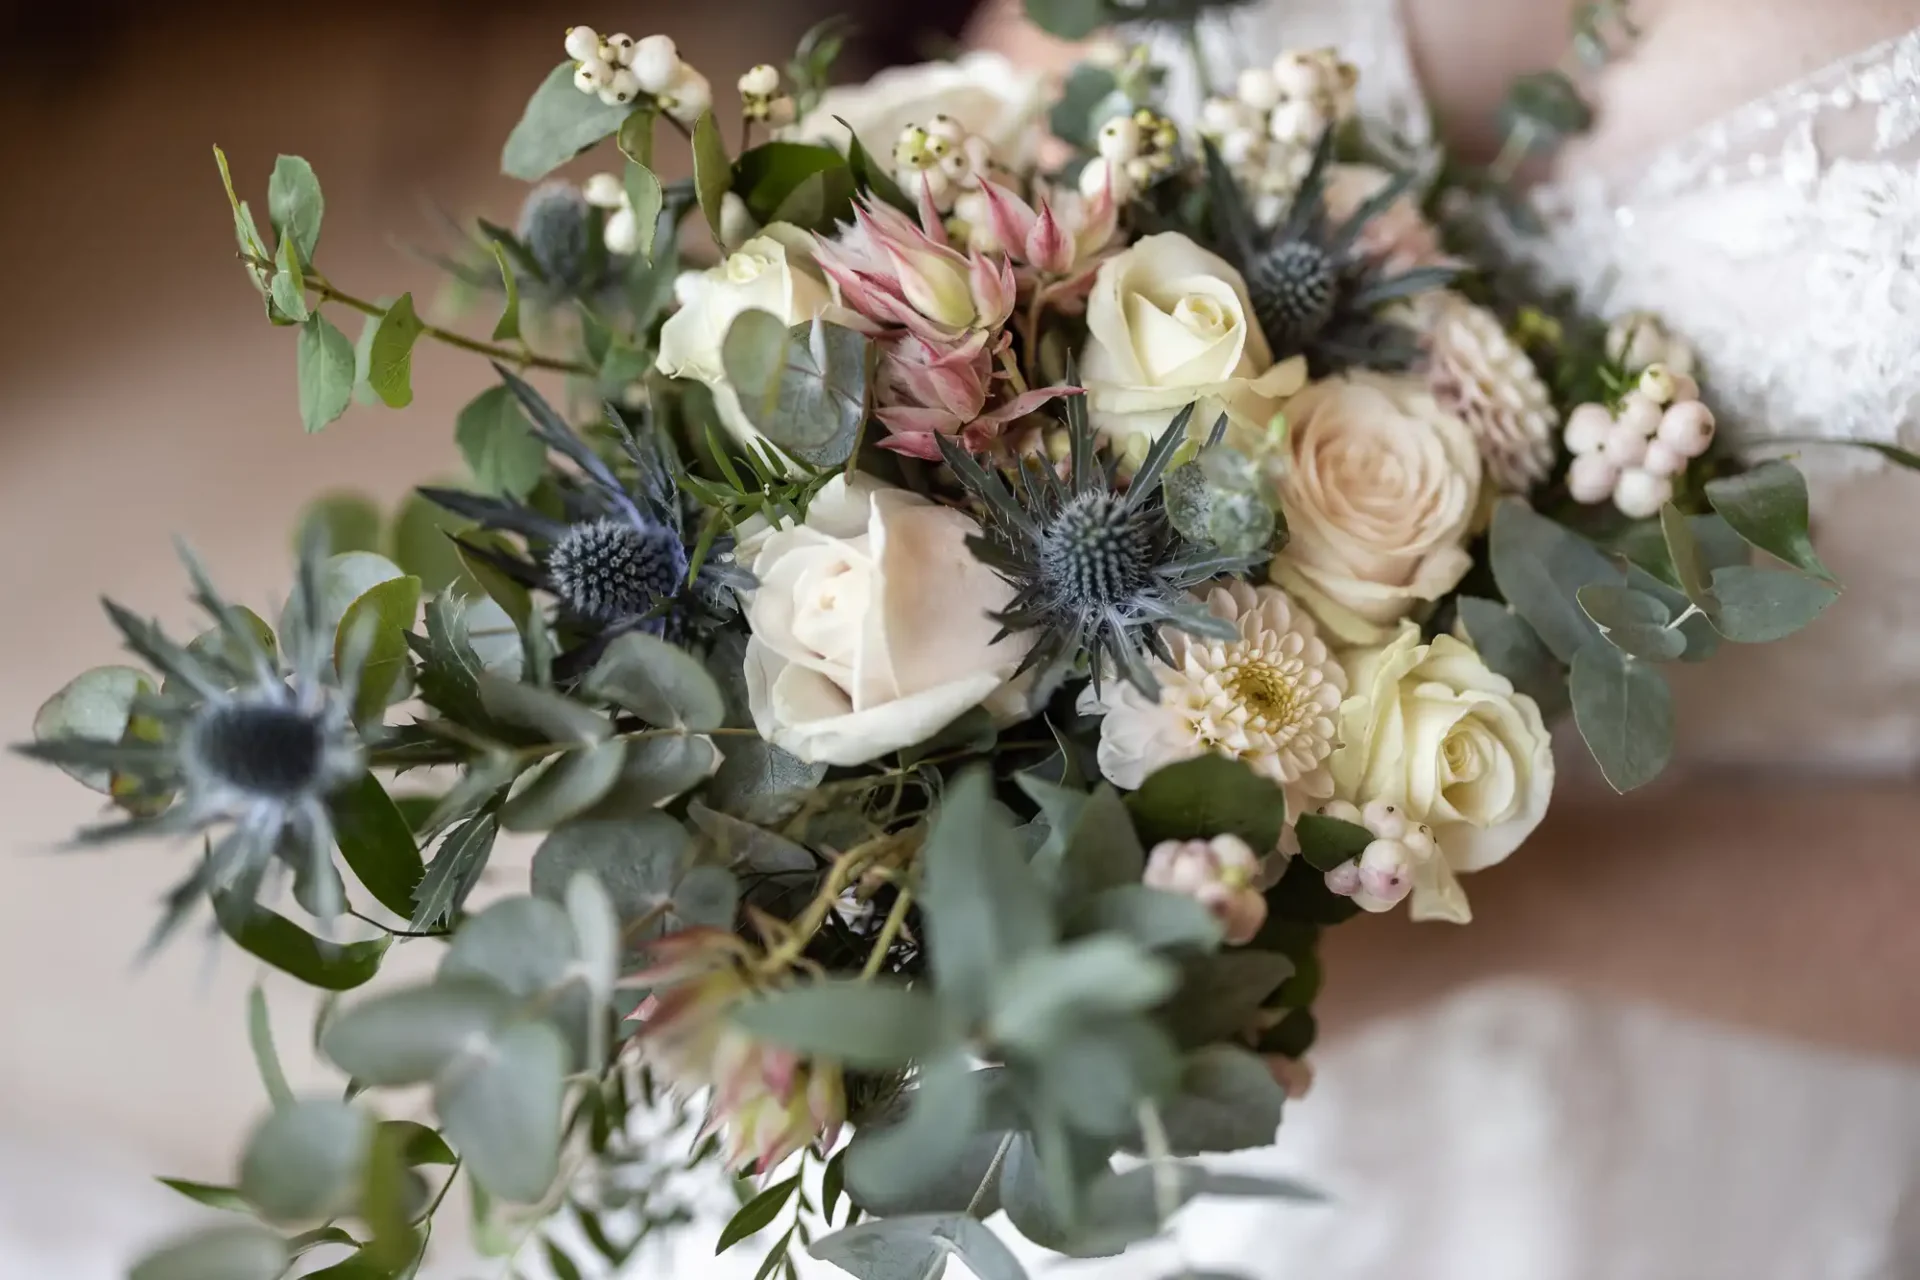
(958, 643)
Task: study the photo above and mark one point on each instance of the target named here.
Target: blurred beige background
(143, 395)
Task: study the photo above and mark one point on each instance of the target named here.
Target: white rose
(869, 626)
(1167, 327)
(765, 273)
(1430, 729)
(984, 92)
(1379, 492)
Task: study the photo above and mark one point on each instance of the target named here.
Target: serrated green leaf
(377, 843)
(325, 372)
(390, 356)
(295, 206)
(1624, 711)
(558, 124)
(712, 169)
(454, 871)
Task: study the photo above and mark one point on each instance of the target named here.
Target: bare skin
(1782, 903)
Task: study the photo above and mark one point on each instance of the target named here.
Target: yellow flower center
(1265, 690)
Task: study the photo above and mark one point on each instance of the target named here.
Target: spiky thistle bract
(243, 734)
(620, 555)
(1313, 291)
(1096, 566)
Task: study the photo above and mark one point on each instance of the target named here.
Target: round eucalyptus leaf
(661, 683)
(638, 861)
(1633, 622)
(1624, 710)
(656, 771)
(1759, 605)
(558, 124)
(344, 578)
(501, 1109)
(303, 1161)
(96, 705)
(407, 1036)
(596, 930)
(243, 1251)
(347, 521)
(542, 710)
(1227, 1101)
(524, 944)
(570, 784)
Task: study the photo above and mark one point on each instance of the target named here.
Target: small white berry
(1296, 120)
(1140, 172)
(946, 128)
(910, 148)
(656, 60)
(1640, 494)
(688, 96)
(1587, 428)
(1685, 388)
(1640, 414)
(1663, 459)
(1657, 384)
(1242, 146)
(592, 75)
(1386, 871)
(582, 43)
(604, 191)
(623, 86)
(622, 232)
(1341, 810)
(1220, 116)
(1420, 844)
(1386, 821)
(781, 112)
(1119, 140)
(618, 49)
(1591, 478)
(1255, 88)
(1296, 75)
(1100, 173)
(1687, 428)
(1344, 880)
(762, 81)
(956, 166)
(1624, 445)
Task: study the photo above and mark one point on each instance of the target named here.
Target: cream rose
(770, 272)
(1430, 729)
(869, 626)
(1169, 326)
(1379, 494)
(984, 92)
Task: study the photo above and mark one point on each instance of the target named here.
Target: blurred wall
(143, 395)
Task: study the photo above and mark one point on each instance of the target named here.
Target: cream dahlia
(1481, 376)
(1268, 698)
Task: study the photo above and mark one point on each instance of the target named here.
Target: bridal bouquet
(960, 620)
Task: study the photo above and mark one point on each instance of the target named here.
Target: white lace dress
(1518, 1132)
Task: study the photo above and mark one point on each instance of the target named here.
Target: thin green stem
(896, 919)
(399, 933)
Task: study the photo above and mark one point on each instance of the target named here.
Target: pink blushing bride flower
(1064, 237)
(925, 390)
(767, 1100)
(894, 273)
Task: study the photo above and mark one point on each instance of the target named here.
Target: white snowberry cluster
(1134, 151)
(617, 69)
(622, 231)
(761, 99)
(1634, 456)
(1382, 875)
(1266, 130)
(944, 157)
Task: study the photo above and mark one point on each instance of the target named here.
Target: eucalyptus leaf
(408, 1036)
(944, 1108)
(1044, 995)
(390, 357)
(239, 1252)
(302, 1163)
(712, 169)
(1759, 605)
(656, 771)
(1540, 567)
(1633, 622)
(638, 861)
(561, 718)
(295, 206)
(1083, 105)
(342, 522)
(862, 1024)
(659, 682)
(571, 783)
(1097, 1076)
(499, 445)
(911, 1248)
(804, 388)
(1152, 918)
(525, 945)
(1068, 19)
(646, 199)
(558, 124)
(1768, 507)
(1513, 649)
(325, 372)
(1227, 1101)
(1219, 994)
(96, 706)
(501, 1109)
(1624, 710)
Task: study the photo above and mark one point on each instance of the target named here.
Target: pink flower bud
(1221, 874)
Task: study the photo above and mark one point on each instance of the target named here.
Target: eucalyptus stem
(1159, 1152)
(520, 357)
(896, 919)
(979, 1198)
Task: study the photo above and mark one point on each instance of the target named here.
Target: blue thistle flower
(1097, 569)
(239, 736)
(620, 557)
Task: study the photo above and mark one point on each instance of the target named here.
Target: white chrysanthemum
(1268, 698)
(1481, 375)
